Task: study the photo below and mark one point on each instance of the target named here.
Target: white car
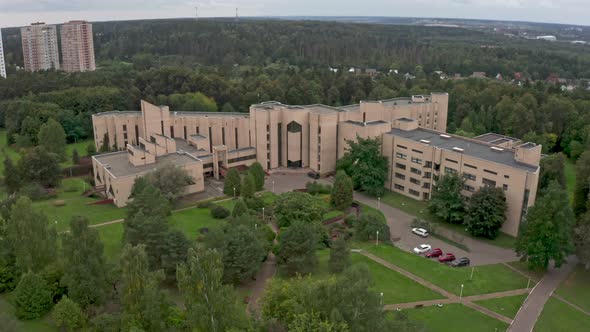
(423, 248)
(420, 232)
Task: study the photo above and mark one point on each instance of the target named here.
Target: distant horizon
(304, 17)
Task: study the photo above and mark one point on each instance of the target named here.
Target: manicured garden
(507, 306)
(455, 318)
(560, 317)
(576, 288)
(486, 278)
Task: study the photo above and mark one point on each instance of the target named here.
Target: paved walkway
(529, 312)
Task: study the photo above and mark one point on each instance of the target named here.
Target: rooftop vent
(445, 136)
(425, 141)
(458, 149)
(497, 149)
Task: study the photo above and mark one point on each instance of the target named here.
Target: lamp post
(234, 192)
(262, 213)
(379, 203)
(381, 299)
(461, 294)
(377, 239)
(273, 186)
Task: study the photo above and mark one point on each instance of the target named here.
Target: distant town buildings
(40, 51)
(77, 46)
(478, 74)
(2, 63)
(547, 38)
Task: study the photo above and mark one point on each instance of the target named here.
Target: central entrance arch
(294, 145)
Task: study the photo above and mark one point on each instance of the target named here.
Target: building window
(451, 161)
(414, 192)
(491, 172)
(505, 187)
(197, 129)
(468, 188)
(488, 182)
(184, 130)
(172, 131)
(402, 147)
(162, 127)
(294, 127)
(470, 166)
(222, 135)
(399, 187)
(428, 164)
(124, 127)
(469, 176)
(426, 196)
(506, 176)
(125, 135)
(417, 160)
(136, 134)
(400, 176)
(401, 155)
(416, 171)
(415, 181)
(426, 185)
(449, 170)
(400, 166)
(427, 175)
(417, 151)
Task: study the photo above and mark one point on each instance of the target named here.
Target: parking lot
(399, 222)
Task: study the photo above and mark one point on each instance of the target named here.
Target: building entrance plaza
(314, 137)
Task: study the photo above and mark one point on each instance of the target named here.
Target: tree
(210, 305)
(240, 208)
(170, 180)
(148, 199)
(552, 169)
(339, 256)
(365, 165)
(40, 166)
(12, 182)
(150, 231)
(68, 314)
(53, 139)
(32, 297)
(547, 233)
(297, 246)
(243, 254)
(75, 157)
(582, 240)
(177, 246)
(232, 180)
(341, 197)
(258, 172)
(28, 231)
(582, 183)
(486, 212)
(446, 202)
(297, 206)
(312, 322)
(84, 264)
(143, 304)
(369, 224)
(248, 187)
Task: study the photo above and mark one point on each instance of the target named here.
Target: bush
(219, 212)
(68, 313)
(205, 205)
(34, 191)
(367, 226)
(106, 323)
(33, 297)
(419, 223)
(254, 203)
(350, 220)
(315, 188)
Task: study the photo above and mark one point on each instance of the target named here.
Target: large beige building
(77, 46)
(40, 49)
(313, 137)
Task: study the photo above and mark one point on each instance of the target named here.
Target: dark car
(434, 253)
(448, 257)
(463, 261)
(314, 175)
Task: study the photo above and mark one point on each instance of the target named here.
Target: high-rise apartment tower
(40, 50)
(2, 64)
(77, 46)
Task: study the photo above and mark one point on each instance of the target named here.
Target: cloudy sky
(23, 12)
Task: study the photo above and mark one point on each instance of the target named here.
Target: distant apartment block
(2, 63)
(40, 50)
(77, 47)
(315, 137)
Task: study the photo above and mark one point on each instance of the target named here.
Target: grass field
(576, 288)
(43, 324)
(486, 278)
(455, 318)
(570, 178)
(80, 147)
(112, 238)
(560, 317)
(507, 306)
(191, 220)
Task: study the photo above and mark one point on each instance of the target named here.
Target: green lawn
(560, 317)
(80, 146)
(455, 318)
(43, 324)
(395, 287)
(486, 278)
(570, 177)
(576, 288)
(75, 205)
(191, 220)
(507, 306)
(112, 238)
(420, 210)
(332, 214)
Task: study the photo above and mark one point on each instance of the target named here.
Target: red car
(448, 257)
(434, 253)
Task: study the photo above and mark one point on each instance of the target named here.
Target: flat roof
(470, 147)
(491, 137)
(120, 165)
(368, 123)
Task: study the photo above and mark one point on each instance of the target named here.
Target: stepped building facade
(313, 137)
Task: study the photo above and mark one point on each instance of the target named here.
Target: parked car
(422, 248)
(448, 257)
(436, 252)
(420, 232)
(313, 175)
(463, 261)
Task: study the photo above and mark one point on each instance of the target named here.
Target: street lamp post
(234, 192)
(273, 186)
(378, 202)
(377, 239)
(461, 294)
(262, 213)
(381, 299)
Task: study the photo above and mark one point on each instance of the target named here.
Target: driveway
(399, 223)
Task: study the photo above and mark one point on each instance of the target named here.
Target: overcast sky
(23, 12)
